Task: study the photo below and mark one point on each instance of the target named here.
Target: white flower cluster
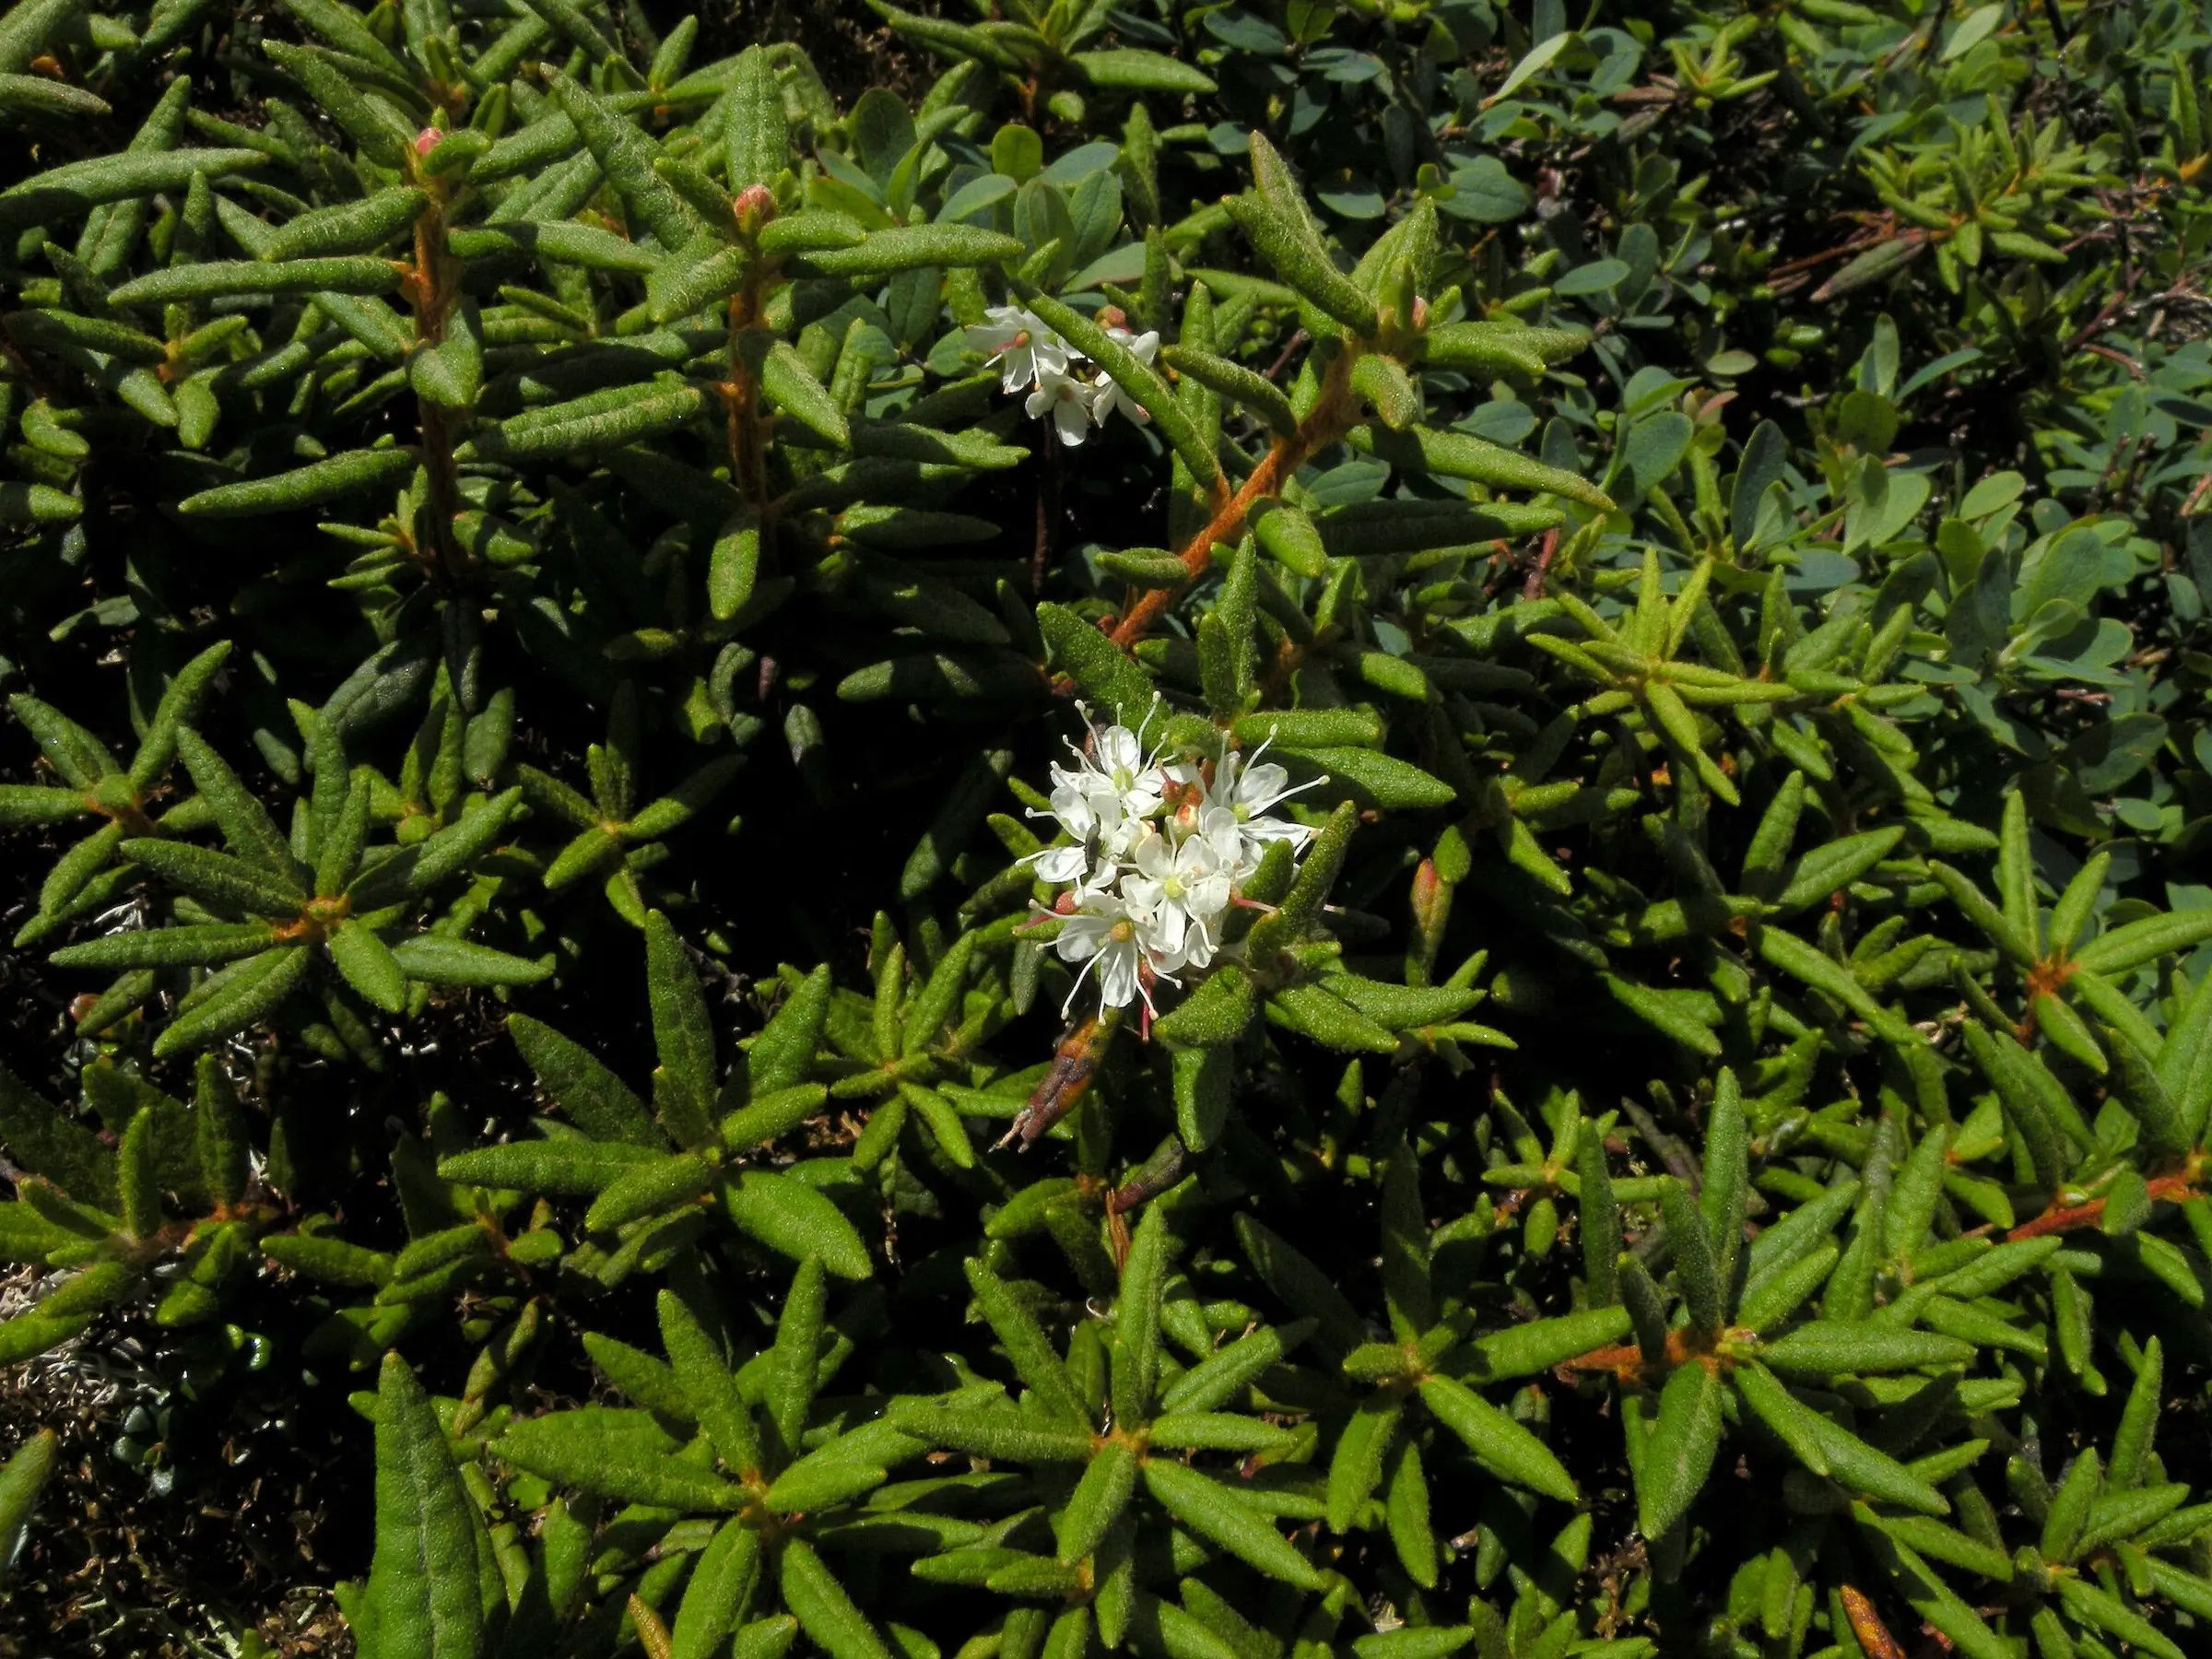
(1155, 854)
(1031, 358)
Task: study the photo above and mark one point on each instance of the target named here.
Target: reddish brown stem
(1329, 419)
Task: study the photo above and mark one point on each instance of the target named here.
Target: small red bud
(1113, 316)
(1420, 313)
(427, 140)
(755, 205)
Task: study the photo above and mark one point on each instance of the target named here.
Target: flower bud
(755, 205)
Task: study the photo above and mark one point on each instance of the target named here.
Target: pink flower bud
(755, 205)
(427, 140)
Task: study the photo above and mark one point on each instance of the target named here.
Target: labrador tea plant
(1244, 830)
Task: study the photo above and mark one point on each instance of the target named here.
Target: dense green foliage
(537, 637)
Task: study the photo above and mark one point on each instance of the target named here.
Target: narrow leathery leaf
(792, 387)
(76, 187)
(1954, 1549)
(587, 1093)
(1040, 1369)
(1093, 662)
(712, 1391)
(564, 1168)
(1864, 1468)
(576, 1449)
(914, 248)
(1215, 1380)
(2026, 1085)
(795, 1219)
(1236, 383)
(253, 992)
(756, 138)
(720, 1592)
(367, 965)
(782, 1054)
(1499, 1444)
(440, 961)
(589, 423)
(1527, 1350)
(1976, 907)
(315, 485)
(2139, 1420)
(1313, 1011)
(1833, 865)
(2137, 1084)
(194, 945)
(138, 1182)
(1462, 456)
(2070, 1506)
(425, 1592)
(2092, 1605)
(1695, 1269)
(626, 154)
(683, 1032)
(1794, 1423)
(649, 1188)
(351, 227)
(222, 280)
(1836, 1349)
(1361, 1451)
(1097, 1502)
(1968, 1631)
(1135, 378)
(1301, 264)
(1137, 1318)
(937, 999)
(823, 1609)
(1673, 1467)
(994, 1434)
(1217, 1432)
(798, 1343)
(819, 1484)
(21, 1476)
(1216, 1013)
(1221, 1517)
(772, 1114)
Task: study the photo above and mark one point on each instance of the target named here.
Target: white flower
(1106, 395)
(1025, 349)
(1101, 934)
(1102, 803)
(1152, 857)
(1066, 399)
(1186, 886)
(1246, 789)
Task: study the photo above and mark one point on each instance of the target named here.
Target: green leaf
(1097, 1502)
(2135, 942)
(593, 1451)
(440, 961)
(987, 1433)
(1846, 1348)
(795, 1219)
(720, 1593)
(432, 1588)
(1027, 1349)
(708, 1384)
(1499, 1444)
(1135, 1368)
(1095, 665)
(683, 1034)
(592, 1097)
(1677, 1455)
(1221, 1517)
